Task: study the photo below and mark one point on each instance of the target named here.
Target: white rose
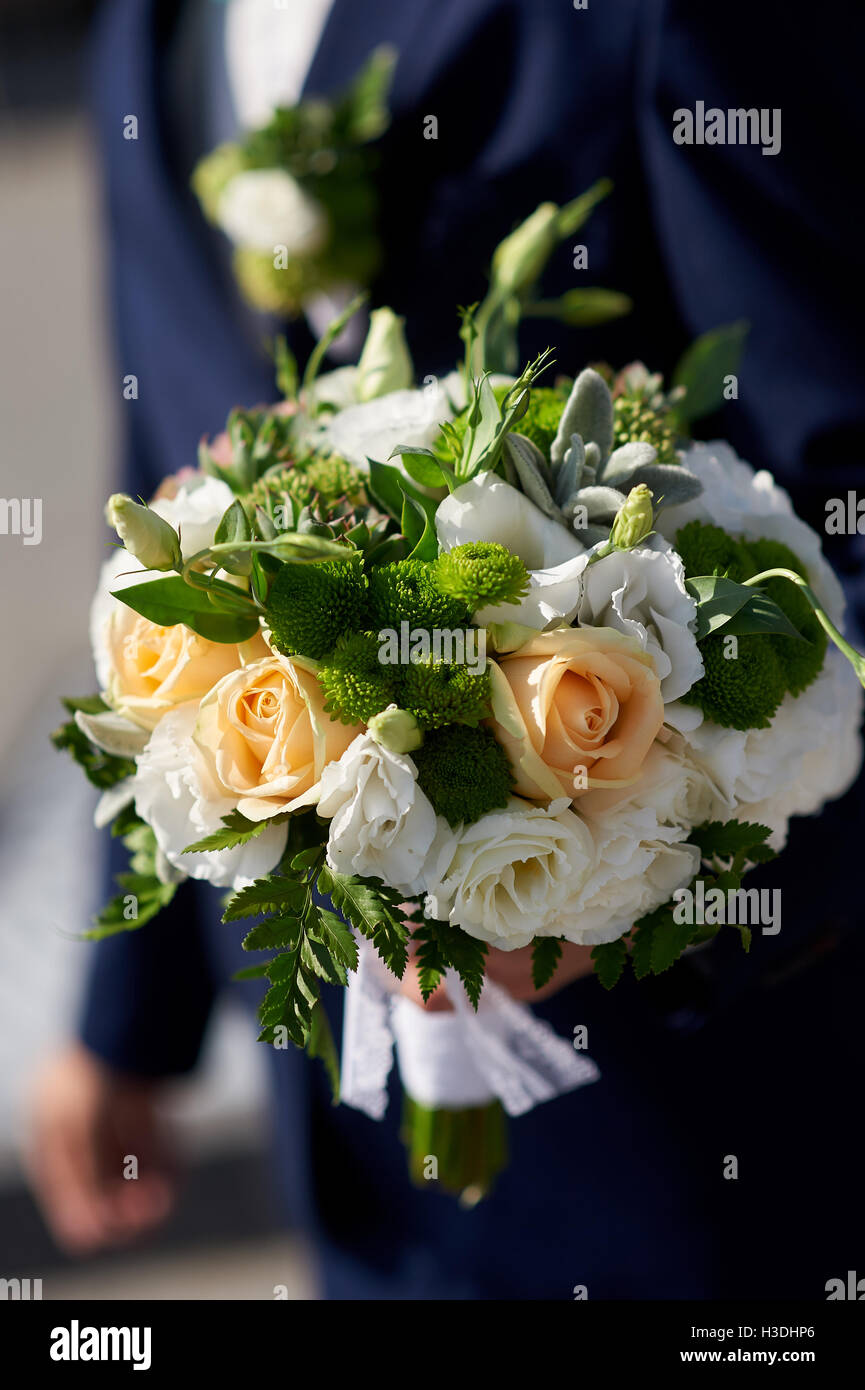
(641, 856)
(488, 509)
(753, 505)
(811, 753)
(504, 878)
(265, 208)
(373, 429)
(382, 824)
(175, 793)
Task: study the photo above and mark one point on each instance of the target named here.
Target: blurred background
(59, 397)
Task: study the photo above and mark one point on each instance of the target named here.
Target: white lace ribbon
(451, 1060)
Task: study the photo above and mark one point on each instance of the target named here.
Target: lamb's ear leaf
(703, 367)
(588, 413)
(569, 474)
(530, 467)
(600, 501)
(622, 462)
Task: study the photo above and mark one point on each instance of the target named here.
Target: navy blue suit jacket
(618, 1187)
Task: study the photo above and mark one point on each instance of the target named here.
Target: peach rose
(266, 737)
(152, 669)
(575, 698)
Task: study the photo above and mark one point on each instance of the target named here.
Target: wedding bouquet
(488, 663)
(297, 197)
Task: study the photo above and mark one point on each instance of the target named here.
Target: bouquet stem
(463, 1150)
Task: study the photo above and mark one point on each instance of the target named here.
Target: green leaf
(171, 600)
(383, 485)
(442, 947)
(234, 527)
(610, 961)
(102, 769)
(762, 614)
(338, 938)
(237, 831)
(420, 464)
(273, 934)
(546, 954)
(703, 367)
(320, 1044)
(418, 527)
(270, 894)
(364, 106)
(641, 943)
(723, 839)
(373, 909)
(669, 940)
(142, 883)
(718, 600)
(251, 972)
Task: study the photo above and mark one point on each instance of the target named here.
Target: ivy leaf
(546, 954)
(169, 601)
(237, 831)
(610, 961)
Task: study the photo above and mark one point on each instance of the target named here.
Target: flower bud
(396, 730)
(385, 362)
(634, 519)
(520, 258)
(146, 536)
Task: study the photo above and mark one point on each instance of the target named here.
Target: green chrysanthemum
(406, 591)
(355, 683)
(439, 693)
(480, 573)
(310, 606)
(708, 549)
(743, 691)
(465, 773)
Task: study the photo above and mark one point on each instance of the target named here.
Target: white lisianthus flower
(753, 505)
(373, 429)
(642, 592)
(381, 823)
(641, 851)
(175, 793)
(488, 509)
(505, 878)
(266, 208)
(811, 753)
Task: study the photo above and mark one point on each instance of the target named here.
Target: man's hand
(513, 971)
(87, 1122)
